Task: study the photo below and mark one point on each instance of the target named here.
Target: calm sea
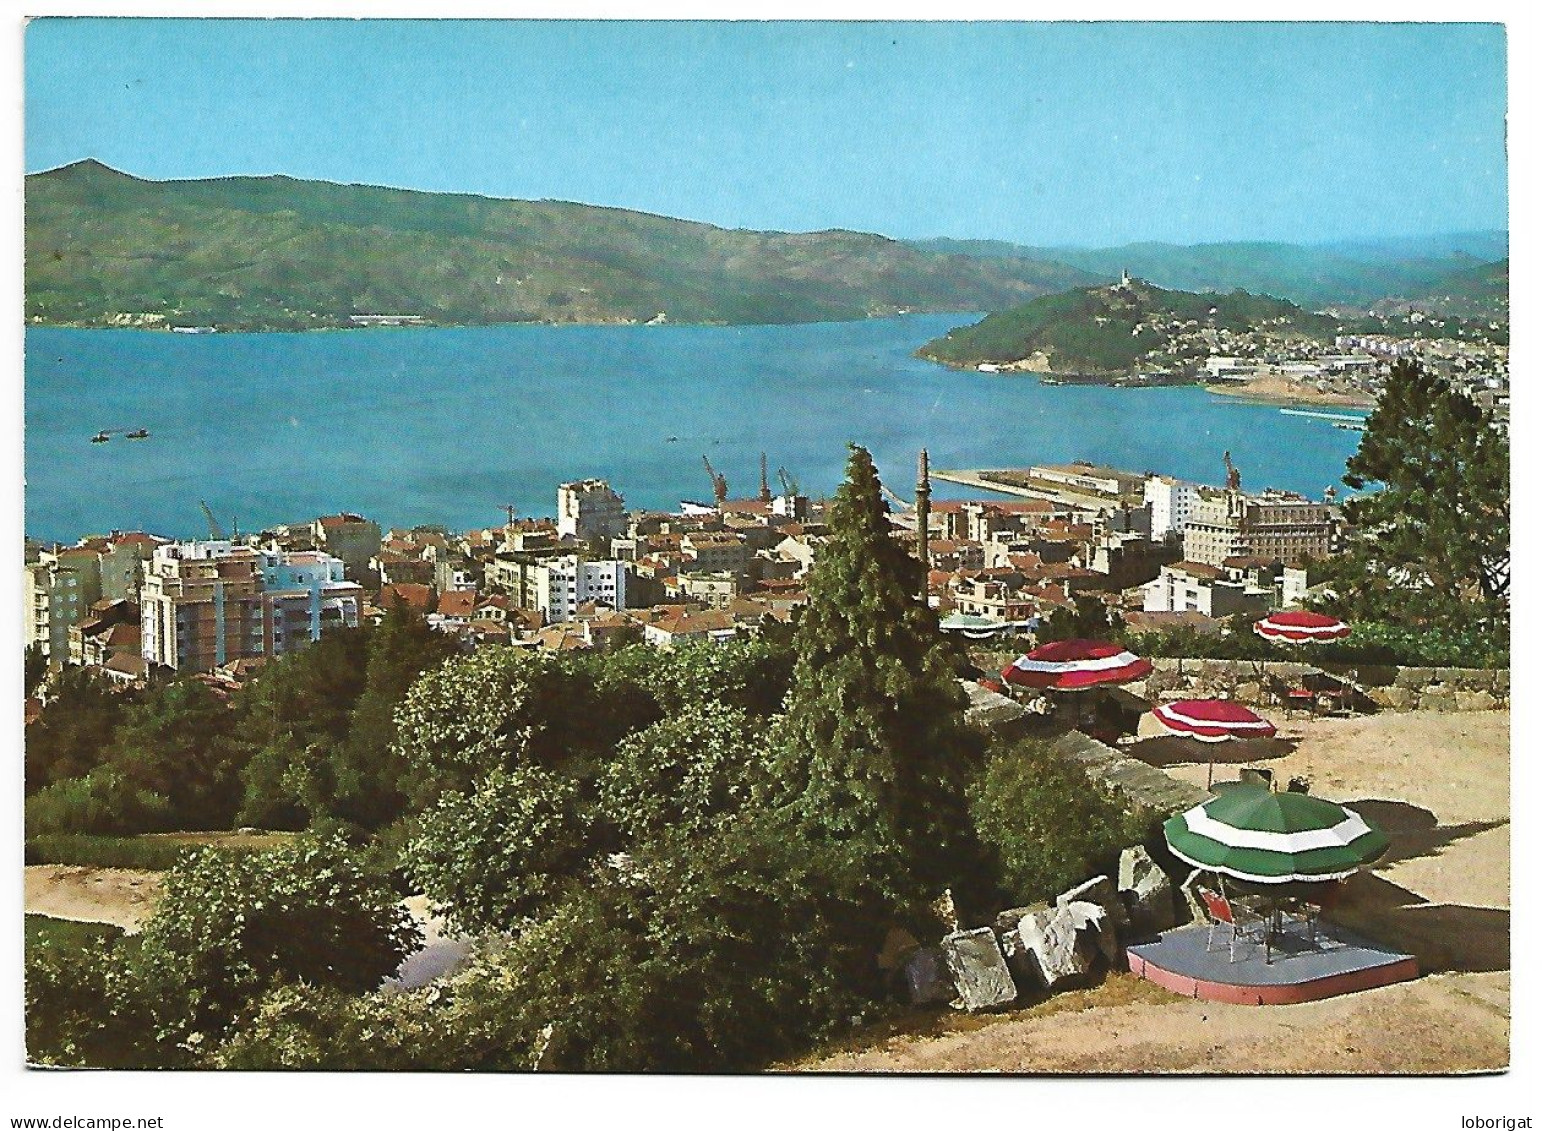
(450, 425)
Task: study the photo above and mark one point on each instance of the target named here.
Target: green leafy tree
(1432, 540)
(750, 673)
(301, 1027)
(180, 744)
(84, 1007)
(496, 856)
(1047, 825)
(684, 773)
(76, 730)
(367, 769)
(710, 954)
(873, 752)
(34, 668)
(230, 926)
(490, 710)
(293, 718)
(507, 707)
(1086, 619)
(104, 802)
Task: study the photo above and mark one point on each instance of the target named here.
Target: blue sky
(1086, 134)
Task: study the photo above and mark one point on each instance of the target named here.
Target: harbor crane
(719, 483)
(214, 526)
(789, 484)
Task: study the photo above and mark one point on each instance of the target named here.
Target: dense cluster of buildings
(1153, 549)
(1355, 366)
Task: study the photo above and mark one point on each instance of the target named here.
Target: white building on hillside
(563, 584)
(1171, 501)
(588, 508)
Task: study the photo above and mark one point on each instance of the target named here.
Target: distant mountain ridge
(1349, 273)
(106, 248)
(1473, 292)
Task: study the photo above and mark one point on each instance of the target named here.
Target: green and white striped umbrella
(1252, 833)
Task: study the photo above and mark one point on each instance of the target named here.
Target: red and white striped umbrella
(1076, 665)
(1301, 627)
(1212, 720)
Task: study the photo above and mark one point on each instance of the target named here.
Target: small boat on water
(101, 438)
(137, 434)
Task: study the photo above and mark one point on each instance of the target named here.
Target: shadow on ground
(1442, 936)
(1414, 830)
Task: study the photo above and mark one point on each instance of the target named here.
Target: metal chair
(1241, 922)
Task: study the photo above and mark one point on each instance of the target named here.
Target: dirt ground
(1285, 391)
(1439, 785)
(127, 899)
(92, 895)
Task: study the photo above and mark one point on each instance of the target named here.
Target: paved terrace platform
(1339, 962)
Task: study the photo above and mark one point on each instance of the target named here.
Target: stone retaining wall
(1143, 784)
(1248, 681)
(1137, 782)
(1388, 687)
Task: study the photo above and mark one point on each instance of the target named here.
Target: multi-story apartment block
(588, 508)
(204, 604)
(1276, 524)
(1171, 501)
(716, 590)
(201, 605)
(562, 584)
(305, 595)
(352, 538)
(1197, 587)
(60, 587)
(63, 584)
(715, 552)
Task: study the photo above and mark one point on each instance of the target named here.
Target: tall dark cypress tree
(873, 750)
(1432, 539)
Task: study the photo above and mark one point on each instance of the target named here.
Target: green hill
(1481, 292)
(1311, 275)
(107, 248)
(1117, 329)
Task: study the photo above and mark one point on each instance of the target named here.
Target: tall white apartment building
(306, 594)
(204, 604)
(588, 508)
(563, 584)
(1172, 502)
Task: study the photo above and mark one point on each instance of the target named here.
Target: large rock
(1394, 698)
(1147, 892)
(1475, 701)
(1019, 961)
(979, 970)
(1060, 944)
(1416, 679)
(927, 977)
(1100, 892)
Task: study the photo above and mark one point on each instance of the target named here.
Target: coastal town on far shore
(1269, 360)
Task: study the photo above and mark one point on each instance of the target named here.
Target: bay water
(448, 426)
